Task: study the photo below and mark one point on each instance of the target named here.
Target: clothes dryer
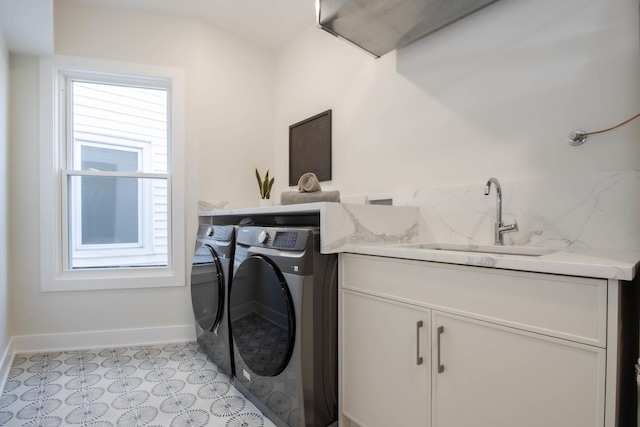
(210, 277)
(283, 311)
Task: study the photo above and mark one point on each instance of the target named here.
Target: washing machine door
(207, 288)
(263, 317)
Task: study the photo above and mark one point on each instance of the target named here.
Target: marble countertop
(340, 223)
(596, 263)
(384, 230)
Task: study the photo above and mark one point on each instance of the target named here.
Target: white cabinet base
(383, 384)
(518, 349)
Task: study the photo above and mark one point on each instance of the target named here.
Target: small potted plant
(265, 188)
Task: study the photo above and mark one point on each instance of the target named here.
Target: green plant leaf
(268, 189)
(260, 183)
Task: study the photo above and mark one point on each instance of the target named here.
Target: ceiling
(28, 24)
(269, 23)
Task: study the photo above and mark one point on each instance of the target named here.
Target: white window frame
(55, 273)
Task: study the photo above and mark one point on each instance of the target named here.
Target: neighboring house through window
(114, 139)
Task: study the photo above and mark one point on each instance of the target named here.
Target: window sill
(108, 279)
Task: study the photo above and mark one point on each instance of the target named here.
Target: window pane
(110, 208)
(117, 221)
(112, 114)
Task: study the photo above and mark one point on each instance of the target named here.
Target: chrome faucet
(500, 228)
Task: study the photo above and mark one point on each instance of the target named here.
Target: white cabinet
(386, 364)
(517, 349)
(503, 377)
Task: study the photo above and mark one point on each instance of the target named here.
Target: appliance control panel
(283, 238)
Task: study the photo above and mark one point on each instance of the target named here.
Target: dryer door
(207, 288)
(263, 317)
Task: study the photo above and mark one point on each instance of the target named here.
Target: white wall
(230, 85)
(4, 195)
(495, 94)
(492, 95)
(230, 94)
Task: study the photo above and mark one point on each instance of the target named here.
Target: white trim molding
(5, 363)
(55, 275)
(92, 339)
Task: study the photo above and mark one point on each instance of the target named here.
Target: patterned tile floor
(170, 385)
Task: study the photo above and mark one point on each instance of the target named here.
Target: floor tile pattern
(172, 385)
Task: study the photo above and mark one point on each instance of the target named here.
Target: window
(116, 143)
(112, 204)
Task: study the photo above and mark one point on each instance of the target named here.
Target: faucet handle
(508, 227)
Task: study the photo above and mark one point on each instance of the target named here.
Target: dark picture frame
(310, 148)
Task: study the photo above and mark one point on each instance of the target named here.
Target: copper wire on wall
(578, 137)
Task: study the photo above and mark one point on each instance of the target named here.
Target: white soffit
(27, 26)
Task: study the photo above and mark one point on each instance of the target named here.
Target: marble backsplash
(567, 212)
(573, 212)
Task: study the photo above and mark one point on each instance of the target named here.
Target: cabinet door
(501, 377)
(383, 383)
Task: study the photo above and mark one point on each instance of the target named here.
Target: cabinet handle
(440, 365)
(418, 358)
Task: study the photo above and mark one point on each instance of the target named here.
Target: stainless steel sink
(483, 249)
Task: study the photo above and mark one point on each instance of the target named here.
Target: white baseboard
(103, 339)
(94, 339)
(5, 363)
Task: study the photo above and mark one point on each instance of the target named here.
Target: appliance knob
(263, 237)
(210, 232)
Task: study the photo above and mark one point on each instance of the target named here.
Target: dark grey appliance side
(325, 289)
(210, 275)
